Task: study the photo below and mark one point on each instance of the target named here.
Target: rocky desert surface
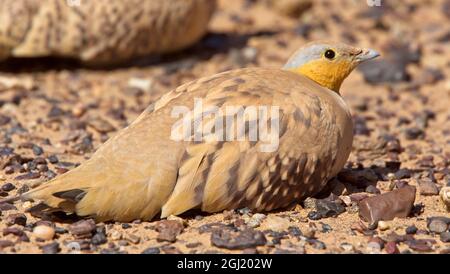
(54, 114)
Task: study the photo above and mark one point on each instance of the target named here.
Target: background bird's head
(328, 63)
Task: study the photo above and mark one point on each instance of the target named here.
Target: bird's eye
(330, 54)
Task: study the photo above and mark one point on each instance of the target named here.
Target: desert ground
(54, 113)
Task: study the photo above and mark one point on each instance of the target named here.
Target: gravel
(55, 116)
(169, 230)
(437, 226)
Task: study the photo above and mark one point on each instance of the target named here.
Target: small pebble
(382, 225)
(7, 207)
(169, 230)
(445, 237)
(115, 235)
(151, 250)
(74, 246)
(411, 230)
(420, 245)
(52, 248)
(8, 187)
(99, 239)
(44, 232)
(178, 219)
(445, 196)
(82, 229)
(5, 243)
(373, 248)
(391, 248)
(347, 247)
(427, 187)
(372, 190)
(437, 226)
(16, 219)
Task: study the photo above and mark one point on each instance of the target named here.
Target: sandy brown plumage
(143, 170)
(101, 31)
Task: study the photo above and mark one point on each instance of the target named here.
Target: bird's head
(328, 63)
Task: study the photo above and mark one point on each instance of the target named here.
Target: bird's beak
(366, 55)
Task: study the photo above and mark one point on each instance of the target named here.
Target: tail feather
(11, 199)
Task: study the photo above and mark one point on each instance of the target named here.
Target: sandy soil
(51, 107)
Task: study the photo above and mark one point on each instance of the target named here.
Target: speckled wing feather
(100, 31)
(142, 171)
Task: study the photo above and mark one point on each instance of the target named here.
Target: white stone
(44, 232)
(382, 225)
(276, 223)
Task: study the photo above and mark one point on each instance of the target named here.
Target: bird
(101, 32)
(146, 169)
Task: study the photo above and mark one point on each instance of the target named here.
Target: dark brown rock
(394, 146)
(169, 230)
(445, 237)
(151, 250)
(357, 197)
(397, 203)
(414, 133)
(8, 187)
(362, 228)
(421, 245)
(394, 237)
(411, 230)
(82, 229)
(28, 176)
(16, 219)
(248, 238)
(13, 231)
(391, 248)
(5, 243)
(324, 208)
(360, 178)
(427, 187)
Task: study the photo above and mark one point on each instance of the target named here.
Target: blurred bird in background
(100, 32)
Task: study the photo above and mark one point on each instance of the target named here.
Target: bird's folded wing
(142, 170)
(220, 175)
